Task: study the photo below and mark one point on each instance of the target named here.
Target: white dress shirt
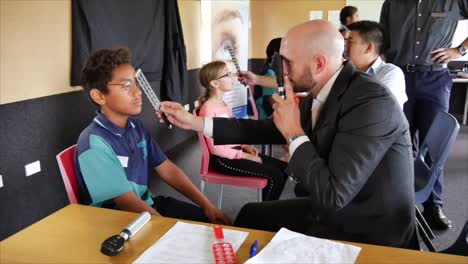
(317, 105)
(392, 77)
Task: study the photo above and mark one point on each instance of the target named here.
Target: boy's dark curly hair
(97, 72)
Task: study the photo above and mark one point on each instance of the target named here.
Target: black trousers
(428, 93)
(298, 215)
(270, 168)
(283, 213)
(171, 207)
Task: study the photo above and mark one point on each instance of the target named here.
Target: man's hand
(217, 216)
(177, 115)
(445, 55)
(250, 149)
(286, 113)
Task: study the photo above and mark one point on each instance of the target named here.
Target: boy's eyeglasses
(227, 74)
(126, 85)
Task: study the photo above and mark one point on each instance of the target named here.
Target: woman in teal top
(263, 94)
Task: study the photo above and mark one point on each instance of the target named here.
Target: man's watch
(291, 139)
(462, 50)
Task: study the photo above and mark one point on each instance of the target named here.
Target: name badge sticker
(123, 160)
(438, 14)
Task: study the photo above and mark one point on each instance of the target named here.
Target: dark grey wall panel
(36, 130)
(256, 65)
(40, 128)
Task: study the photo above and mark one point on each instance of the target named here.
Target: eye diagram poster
(226, 23)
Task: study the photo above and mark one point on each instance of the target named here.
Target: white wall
(368, 9)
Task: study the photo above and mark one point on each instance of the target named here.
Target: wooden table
(75, 233)
(465, 108)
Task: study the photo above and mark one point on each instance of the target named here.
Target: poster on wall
(226, 24)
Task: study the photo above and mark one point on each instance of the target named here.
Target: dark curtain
(151, 29)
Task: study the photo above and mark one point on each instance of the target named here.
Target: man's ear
(370, 47)
(97, 96)
(320, 63)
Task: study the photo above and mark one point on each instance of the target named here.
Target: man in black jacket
(349, 144)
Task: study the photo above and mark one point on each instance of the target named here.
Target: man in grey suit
(349, 144)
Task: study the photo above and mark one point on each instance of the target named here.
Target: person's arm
(394, 79)
(271, 74)
(250, 78)
(224, 130)
(176, 178)
(212, 110)
(130, 202)
(225, 151)
(446, 55)
(177, 115)
(246, 131)
(267, 81)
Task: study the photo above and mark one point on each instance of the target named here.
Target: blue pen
(253, 248)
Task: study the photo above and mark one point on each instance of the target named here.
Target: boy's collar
(105, 123)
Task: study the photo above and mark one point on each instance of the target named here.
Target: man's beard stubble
(305, 83)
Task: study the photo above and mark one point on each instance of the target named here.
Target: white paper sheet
(291, 247)
(188, 243)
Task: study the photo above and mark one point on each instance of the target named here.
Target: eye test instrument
(277, 67)
(154, 100)
(236, 63)
(234, 59)
(115, 244)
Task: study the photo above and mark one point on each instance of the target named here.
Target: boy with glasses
(116, 154)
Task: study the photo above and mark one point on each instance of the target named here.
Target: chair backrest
(433, 153)
(252, 101)
(460, 246)
(214, 177)
(66, 162)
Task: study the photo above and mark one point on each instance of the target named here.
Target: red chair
(266, 149)
(66, 162)
(210, 176)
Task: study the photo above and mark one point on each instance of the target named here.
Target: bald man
(349, 144)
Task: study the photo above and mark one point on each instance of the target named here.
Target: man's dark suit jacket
(357, 167)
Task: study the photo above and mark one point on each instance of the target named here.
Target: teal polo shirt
(111, 161)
